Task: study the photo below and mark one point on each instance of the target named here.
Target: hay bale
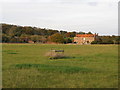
(54, 55)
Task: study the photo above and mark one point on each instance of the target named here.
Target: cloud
(80, 15)
(93, 3)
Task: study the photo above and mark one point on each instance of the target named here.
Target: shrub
(68, 40)
(94, 42)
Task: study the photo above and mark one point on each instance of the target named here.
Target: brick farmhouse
(85, 38)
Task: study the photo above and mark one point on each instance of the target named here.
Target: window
(83, 38)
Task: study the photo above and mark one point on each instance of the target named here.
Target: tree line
(25, 34)
(107, 40)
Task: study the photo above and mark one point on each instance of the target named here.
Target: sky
(97, 16)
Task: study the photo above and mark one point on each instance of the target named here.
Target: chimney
(97, 34)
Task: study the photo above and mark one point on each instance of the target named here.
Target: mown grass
(88, 66)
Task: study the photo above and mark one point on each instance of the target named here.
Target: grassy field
(88, 66)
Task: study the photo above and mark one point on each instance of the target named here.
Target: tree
(81, 32)
(89, 33)
(39, 39)
(70, 34)
(51, 32)
(5, 38)
(57, 38)
(12, 31)
(63, 32)
(22, 34)
(24, 38)
(43, 39)
(68, 40)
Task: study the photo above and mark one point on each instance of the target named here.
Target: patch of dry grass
(55, 55)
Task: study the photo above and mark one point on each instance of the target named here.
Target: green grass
(87, 66)
(51, 68)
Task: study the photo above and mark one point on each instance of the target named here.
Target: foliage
(57, 38)
(81, 32)
(107, 40)
(70, 34)
(24, 34)
(5, 38)
(89, 33)
(67, 40)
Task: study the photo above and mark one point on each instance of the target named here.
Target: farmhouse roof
(85, 35)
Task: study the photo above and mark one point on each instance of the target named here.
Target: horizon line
(59, 29)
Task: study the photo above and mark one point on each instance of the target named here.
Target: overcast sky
(97, 16)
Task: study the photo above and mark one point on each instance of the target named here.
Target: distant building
(30, 41)
(85, 38)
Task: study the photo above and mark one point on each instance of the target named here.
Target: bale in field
(55, 55)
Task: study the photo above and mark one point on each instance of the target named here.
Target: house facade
(85, 38)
